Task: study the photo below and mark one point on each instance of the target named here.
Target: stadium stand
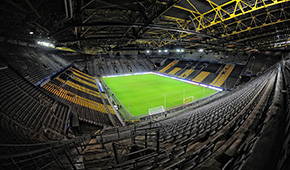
(31, 114)
(109, 66)
(34, 115)
(145, 85)
(283, 162)
(215, 74)
(33, 64)
(79, 90)
(226, 133)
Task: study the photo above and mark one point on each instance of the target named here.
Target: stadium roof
(103, 25)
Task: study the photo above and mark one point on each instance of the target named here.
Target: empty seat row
(28, 106)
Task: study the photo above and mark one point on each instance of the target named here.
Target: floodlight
(200, 50)
(45, 44)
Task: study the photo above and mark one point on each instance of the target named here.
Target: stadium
(145, 84)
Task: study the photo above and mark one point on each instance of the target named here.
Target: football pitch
(138, 93)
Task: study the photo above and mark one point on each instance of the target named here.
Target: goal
(156, 110)
(188, 99)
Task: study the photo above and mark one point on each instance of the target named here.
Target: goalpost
(156, 110)
(188, 99)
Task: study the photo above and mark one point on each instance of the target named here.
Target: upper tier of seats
(112, 66)
(33, 64)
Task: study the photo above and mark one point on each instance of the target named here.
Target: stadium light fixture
(178, 50)
(31, 32)
(45, 44)
(147, 51)
(200, 50)
(166, 51)
(182, 50)
(159, 51)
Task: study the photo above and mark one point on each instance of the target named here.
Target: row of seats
(283, 162)
(28, 107)
(201, 76)
(81, 88)
(174, 71)
(74, 98)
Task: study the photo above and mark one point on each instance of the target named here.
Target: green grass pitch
(138, 93)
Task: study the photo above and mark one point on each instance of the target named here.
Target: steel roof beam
(135, 25)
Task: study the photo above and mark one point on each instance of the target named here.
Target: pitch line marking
(148, 102)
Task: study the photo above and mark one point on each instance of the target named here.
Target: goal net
(156, 110)
(188, 99)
